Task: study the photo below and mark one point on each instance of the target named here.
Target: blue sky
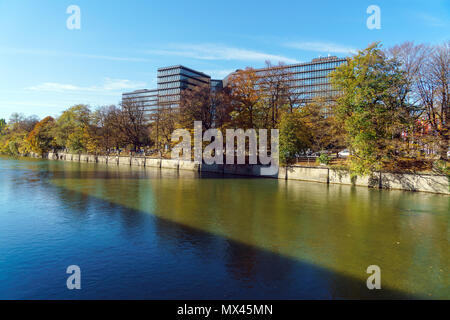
(45, 67)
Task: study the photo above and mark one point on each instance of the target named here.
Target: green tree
(294, 136)
(373, 108)
(2, 125)
(70, 128)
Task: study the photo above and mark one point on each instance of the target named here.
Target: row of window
(306, 68)
(311, 81)
(154, 96)
(311, 74)
(169, 98)
(314, 67)
(168, 72)
(196, 81)
(168, 85)
(169, 78)
(182, 71)
(169, 91)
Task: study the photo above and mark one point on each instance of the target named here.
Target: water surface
(155, 234)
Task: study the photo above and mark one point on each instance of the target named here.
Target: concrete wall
(102, 159)
(52, 156)
(412, 182)
(125, 161)
(308, 174)
(138, 161)
(156, 163)
(189, 165)
(113, 160)
(415, 182)
(169, 164)
(343, 177)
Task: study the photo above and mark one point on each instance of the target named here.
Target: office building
(306, 81)
(148, 99)
(173, 80)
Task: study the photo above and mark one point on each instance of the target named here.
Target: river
(146, 233)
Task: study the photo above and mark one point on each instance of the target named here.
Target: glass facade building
(308, 80)
(173, 80)
(148, 99)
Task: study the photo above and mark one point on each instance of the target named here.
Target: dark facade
(173, 80)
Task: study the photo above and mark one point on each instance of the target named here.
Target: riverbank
(383, 180)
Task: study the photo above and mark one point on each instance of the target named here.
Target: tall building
(148, 99)
(306, 81)
(173, 80)
(216, 85)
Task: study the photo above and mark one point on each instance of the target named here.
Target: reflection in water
(149, 233)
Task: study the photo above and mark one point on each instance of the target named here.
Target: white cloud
(121, 84)
(51, 53)
(432, 21)
(218, 52)
(219, 74)
(109, 85)
(54, 87)
(326, 47)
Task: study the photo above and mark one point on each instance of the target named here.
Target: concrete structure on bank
(383, 180)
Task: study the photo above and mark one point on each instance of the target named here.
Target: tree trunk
(443, 148)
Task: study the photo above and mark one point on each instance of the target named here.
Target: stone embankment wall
(401, 181)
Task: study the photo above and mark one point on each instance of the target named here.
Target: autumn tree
(165, 123)
(245, 98)
(41, 139)
(106, 123)
(427, 72)
(13, 139)
(324, 125)
(133, 124)
(274, 86)
(196, 105)
(433, 89)
(18, 122)
(205, 105)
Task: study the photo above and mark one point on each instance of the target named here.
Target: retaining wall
(124, 161)
(170, 164)
(411, 182)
